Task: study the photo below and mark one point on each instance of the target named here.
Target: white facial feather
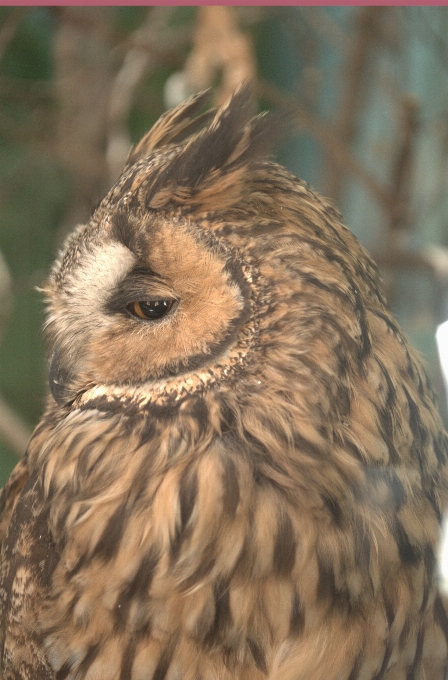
(86, 288)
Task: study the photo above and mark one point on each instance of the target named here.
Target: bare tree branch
(367, 22)
(170, 55)
(403, 164)
(330, 141)
(137, 60)
(219, 48)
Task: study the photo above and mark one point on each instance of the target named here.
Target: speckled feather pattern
(250, 488)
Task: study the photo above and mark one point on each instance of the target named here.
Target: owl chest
(192, 554)
(195, 566)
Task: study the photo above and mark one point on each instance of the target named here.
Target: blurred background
(367, 87)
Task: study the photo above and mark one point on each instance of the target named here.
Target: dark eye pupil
(154, 310)
(150, 309)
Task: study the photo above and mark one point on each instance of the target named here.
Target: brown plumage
(241, 472)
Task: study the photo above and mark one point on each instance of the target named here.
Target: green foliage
(33, 192)
(29, 54)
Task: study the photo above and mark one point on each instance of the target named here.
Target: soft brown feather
(250, 487)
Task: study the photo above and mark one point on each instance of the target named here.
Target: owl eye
(150, 310)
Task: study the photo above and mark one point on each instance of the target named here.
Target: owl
(240, 473)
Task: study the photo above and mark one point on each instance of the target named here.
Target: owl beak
(59, 379)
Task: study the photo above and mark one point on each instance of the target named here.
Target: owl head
(148, 291)
(209, 267)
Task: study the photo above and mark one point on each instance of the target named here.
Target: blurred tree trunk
(84, 66)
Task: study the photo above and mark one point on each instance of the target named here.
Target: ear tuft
(173, 127)
(211, 165)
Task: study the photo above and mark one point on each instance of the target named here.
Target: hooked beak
(60, 379)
